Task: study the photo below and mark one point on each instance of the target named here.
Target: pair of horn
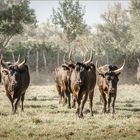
(90, 59)
(115, 71)
(20, 65)
(69, 57)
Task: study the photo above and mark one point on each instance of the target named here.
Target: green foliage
(135, 23)
(69, 16)
(13, 19)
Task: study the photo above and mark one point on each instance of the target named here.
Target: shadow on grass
(129, 109)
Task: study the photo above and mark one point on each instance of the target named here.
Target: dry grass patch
(45, 119)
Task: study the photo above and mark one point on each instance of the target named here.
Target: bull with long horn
(16, 80)
(108, 77)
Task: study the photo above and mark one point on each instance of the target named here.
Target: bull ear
(3, 64)
(20, 66)
(65, 67)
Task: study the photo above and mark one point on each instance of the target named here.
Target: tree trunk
(13, 56)
(45, 62)
(37, 60)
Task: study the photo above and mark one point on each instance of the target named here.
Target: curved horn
(70, 59)
(17, 62)
(70, 54)
(97, 66)
(3, 64)
(138, 61)
(64, 58)
(22, 63)
(90, 59)
(99, 70)
(120, 69)
(84, 58)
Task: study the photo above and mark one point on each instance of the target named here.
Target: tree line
(117, 38)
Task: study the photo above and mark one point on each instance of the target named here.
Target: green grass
(45, 119)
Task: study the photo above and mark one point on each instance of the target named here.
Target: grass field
(45, 119)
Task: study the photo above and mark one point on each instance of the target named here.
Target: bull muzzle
(112, 90)
(79, 82)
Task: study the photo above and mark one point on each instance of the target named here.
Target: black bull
(107, 83)
(83, 80)
(16, 79)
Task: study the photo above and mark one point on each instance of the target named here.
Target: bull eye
(109, 78)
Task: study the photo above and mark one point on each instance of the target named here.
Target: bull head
(102, 72)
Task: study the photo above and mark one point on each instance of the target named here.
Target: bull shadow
(87, 111)
(42, 99)
(34, 106)
(4, 114)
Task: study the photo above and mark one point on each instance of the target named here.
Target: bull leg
(15, 102)
(59, 93)
(104, 102)
(101, 100)
(69, 98)
(64, 96)
(22, 100)
(113, 104)
(84, 98)
(73, 102)
(109, 101)
(11, 100)
(90, 102)
(78, 102)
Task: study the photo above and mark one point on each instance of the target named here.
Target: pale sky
(93, 8)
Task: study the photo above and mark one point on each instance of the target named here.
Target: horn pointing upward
(17, 62)
(91, 57)
(22, 63)
(120, 69)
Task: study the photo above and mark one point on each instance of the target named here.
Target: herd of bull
(72, 78)
(79, 79)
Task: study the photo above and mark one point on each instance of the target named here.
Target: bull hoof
(81, 116)
(69, 107)
(108, 111)
(91, 114)
(73, 106)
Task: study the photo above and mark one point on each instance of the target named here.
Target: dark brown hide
(83, 80)
(16, 80)
(62, 77)
(107, 82)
